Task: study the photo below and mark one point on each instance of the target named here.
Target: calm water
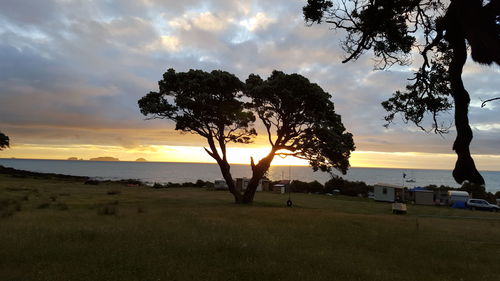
(190, 172)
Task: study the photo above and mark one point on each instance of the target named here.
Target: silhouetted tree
(300, 121)
(298, 115)
(206, 104)
(4, 141)
(390, 29)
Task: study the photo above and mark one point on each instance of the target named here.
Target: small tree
(206, 104)
(4, 141)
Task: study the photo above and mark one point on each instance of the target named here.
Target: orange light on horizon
(239, 155)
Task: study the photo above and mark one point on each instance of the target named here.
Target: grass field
(54, 229)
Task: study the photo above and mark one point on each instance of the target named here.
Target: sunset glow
(70, 81)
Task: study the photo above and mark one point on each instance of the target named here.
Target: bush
(349, 188)
(497, 194)
(304, 187)
(158, 185)
(434, 187)
(169, 184)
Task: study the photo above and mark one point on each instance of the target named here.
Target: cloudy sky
(71, 73)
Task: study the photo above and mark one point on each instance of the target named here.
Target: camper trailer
(388, 192)
(457, 196)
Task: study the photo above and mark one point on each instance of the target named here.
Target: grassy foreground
(53, 229)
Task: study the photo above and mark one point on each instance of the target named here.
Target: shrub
(159, 185)
(304, 187)
(477, 191)
(298, 186)
(348, 188)
(497, 194)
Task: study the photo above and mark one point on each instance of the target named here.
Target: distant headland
(74, 159)
(105, 158)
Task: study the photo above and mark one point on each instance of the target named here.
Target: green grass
(195, 234)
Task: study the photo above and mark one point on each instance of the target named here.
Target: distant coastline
(232, 164)
(104, 158)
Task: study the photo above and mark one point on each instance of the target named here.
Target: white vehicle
(480, 204)
(457, 196)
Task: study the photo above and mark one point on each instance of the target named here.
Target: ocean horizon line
(214, 163)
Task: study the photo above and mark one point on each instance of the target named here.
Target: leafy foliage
(305, 187)
(302, 117)
(203, 103)
(349, 188)
(393, 29)
(207, 104)
(4, 141)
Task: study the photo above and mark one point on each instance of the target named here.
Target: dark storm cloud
(72, 71)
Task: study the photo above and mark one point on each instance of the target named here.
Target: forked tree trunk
(465, 169)
(258, 172)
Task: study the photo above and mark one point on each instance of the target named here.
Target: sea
(164, 172)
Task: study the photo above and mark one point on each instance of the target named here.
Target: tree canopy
(206, 104)
(4, 141)
(299, 118)
(440, 30)
(302, 118)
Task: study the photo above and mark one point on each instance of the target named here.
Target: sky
(71, 73)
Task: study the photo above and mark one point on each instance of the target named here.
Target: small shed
(422, 196)
(281, 186)
(388, 192)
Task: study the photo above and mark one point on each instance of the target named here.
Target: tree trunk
(258, 172)
(465, 169)
(225, 169)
